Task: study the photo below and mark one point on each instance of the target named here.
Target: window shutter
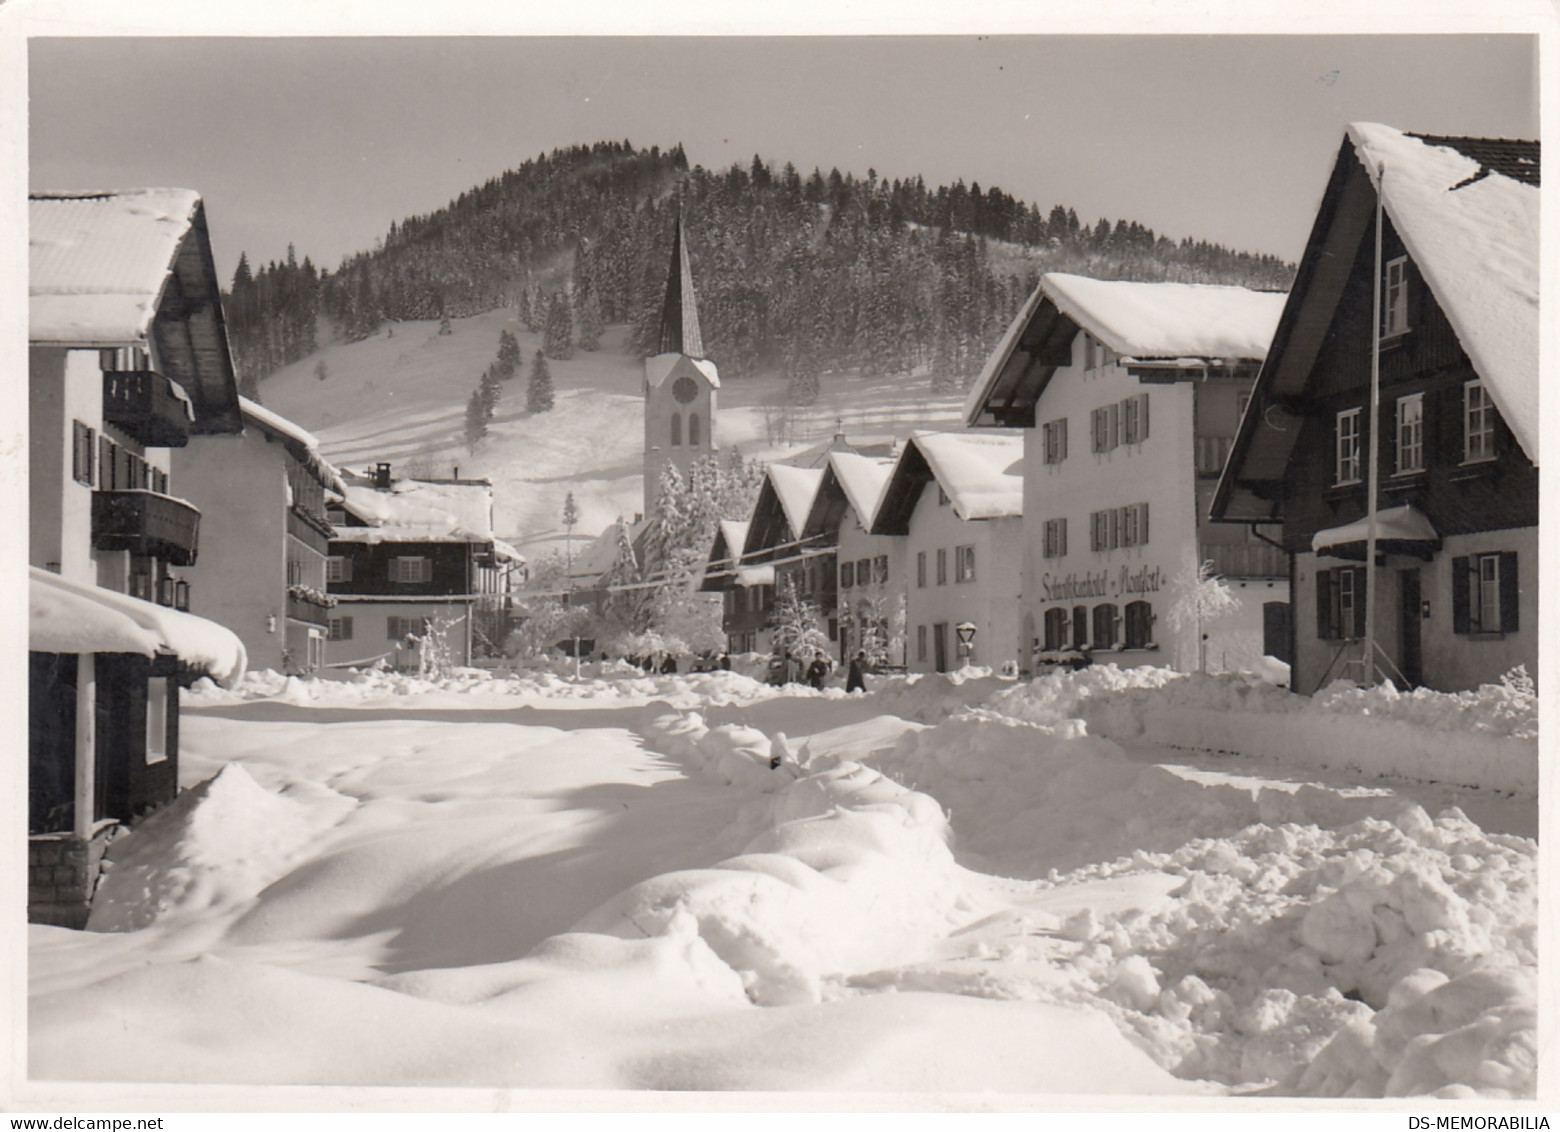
(1461, 577)
(425, 566)
(346, 628)
(1143, 507)
(1508, 591)
(1142, 416)
(1097, 423)
(1324, 605)
(1061, 538)
(1360, 582)
(1061, 443)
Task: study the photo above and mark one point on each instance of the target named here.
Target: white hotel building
(1130, 395)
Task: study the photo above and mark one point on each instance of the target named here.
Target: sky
(323, 142)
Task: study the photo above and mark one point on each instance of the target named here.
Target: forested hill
(808, 275)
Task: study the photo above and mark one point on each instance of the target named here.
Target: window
(85, 450)
(1140, 624)
(159, 480)
(1106, 426)
(1394, 304)
(1080, 627)
(1478, 423)
(964, 564)
(1347, 464)
(1056, 625)
(1105, 618)
(942, 567)
(338, 568)
(399, 627)
(1134, 419)
(847, 575)
(920, 569)
(693, 430)
(1340, 603)
(1133, 524)
(1055, 437)
(156, 721)
(1056, 538)
(880, 569)
(920, 642)
(1485, 593)
(1105, 528)
(676, 430)
(410, 569)
(1411, 433)
(340, 628)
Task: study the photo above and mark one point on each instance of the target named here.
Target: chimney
(382, 476)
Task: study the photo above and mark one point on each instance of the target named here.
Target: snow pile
(929, 697)
(1292, 917)
(216, 845)
(1485, 738)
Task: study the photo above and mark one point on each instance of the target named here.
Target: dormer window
(1394, 300)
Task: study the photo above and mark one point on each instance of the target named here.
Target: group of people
(788, 669)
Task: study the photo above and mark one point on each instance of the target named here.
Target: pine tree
(476, 421)
(539, 393)
(508, 355)
(489, 389)
(588, 319)
(558, 341)
(571, 516)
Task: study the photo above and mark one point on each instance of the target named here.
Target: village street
(541, 883)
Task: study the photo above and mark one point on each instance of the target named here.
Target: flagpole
(1374, 477)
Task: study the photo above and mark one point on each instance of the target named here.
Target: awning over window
(1399, 530)
(755, 575)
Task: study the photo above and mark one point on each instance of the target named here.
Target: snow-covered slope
(401, 396)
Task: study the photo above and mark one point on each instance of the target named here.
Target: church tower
(680, 383)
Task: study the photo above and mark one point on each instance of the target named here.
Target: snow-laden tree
(558, 336)
(798, 624)
(508, 355)
(539, 393)
(1198, 597)
(625, 608)
(878, 621)
(541, 622)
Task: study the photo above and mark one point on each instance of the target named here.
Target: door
(1412, 619)
(1275, 630)
(940, 646)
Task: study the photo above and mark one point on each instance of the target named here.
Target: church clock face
(685, 389)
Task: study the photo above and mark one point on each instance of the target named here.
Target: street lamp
(966, 631)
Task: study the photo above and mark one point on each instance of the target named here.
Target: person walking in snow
(853, 676)
(816, 671)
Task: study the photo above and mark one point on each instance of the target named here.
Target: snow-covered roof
(659, 366)
(734, 533)
(863, 479)
(304, 443)
(504, 550)
(982, 472)
(419, 511)
(67, 616)
(1393, 524)
(795, 488)
(1474, 238)
(97, 262)
(1169, 320)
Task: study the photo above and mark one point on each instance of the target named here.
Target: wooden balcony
(1245, 560)
(143, 403)
(145, 522)
(300, 608)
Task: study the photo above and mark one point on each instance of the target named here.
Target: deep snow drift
(954, 884)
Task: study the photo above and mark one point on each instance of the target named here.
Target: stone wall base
(62, 875)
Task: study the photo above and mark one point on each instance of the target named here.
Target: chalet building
(1129, 395)
(1422, 262)
(128, 359)
(870, 604)
(775, 542)
(748, 591)
(416, 572)
(955, 499)
(681, 384)
(262, 493)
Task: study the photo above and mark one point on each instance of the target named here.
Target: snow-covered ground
(952, 885)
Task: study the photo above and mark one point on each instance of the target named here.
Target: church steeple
(679, 332)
